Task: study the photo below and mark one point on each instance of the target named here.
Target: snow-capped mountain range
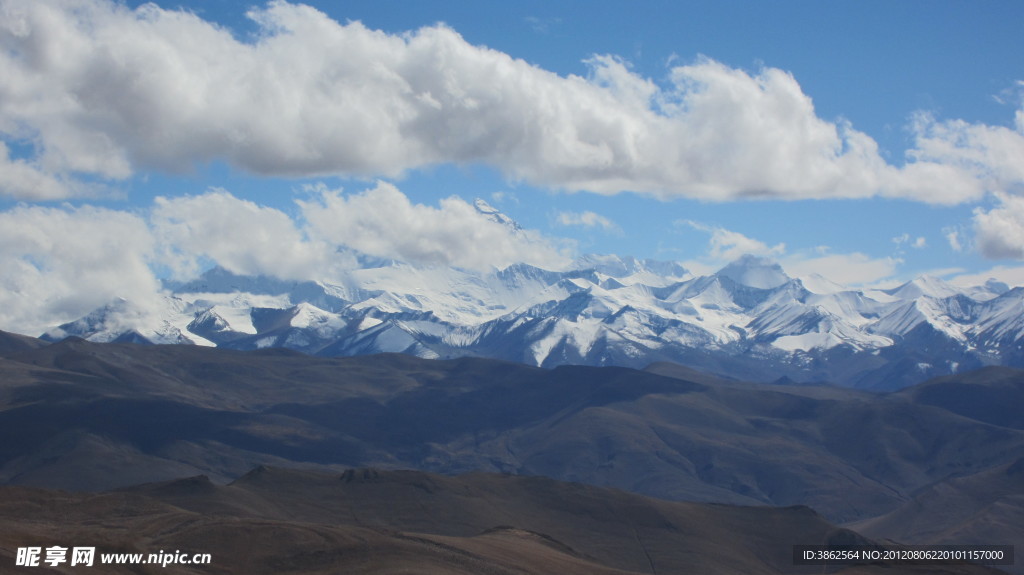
(748, 320)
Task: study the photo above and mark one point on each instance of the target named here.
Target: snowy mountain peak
(494, 214)
(925, 285)
(755, 272)
(818, 284)
(483, 207)
(221, 280)
(996, 287)
(749, 320)
(612, 265)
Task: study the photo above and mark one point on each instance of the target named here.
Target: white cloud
(106, 91)
(239, 235)
(852, 269)
(247, 238)
(57, 264)
(587, 219)
(503, 196)
(1013, 276)
(953, 236)
(727, 245)
(905, 239)
(22, 180)
(383, 222)
(999, 232)
(992, 154)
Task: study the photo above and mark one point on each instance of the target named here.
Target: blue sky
(867, 141)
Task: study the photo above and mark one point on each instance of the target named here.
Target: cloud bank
(95, 90)
(65, 262)
(848, 269)
(382, 222)
(59, 263)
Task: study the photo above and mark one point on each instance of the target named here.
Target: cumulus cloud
(953, 236)
(999, 232)
(727, 245)
(995, 154)
(992, 154)
(853, 269)
(22, 180)
(238, 235)
(587, 219)
(321, 240)
(58, 263)
(103, 91)
(382, 222)
(904, 239)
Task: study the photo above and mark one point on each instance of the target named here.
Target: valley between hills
(278, 462)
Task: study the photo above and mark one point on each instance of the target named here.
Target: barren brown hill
(992, 394)
(983, 508)
(80, 415)
(371, 521)
(13, 342)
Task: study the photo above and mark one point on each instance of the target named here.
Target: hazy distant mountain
(81, 415)
(749, 320)
(366, 521)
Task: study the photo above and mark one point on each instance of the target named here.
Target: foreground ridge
(375, 521)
